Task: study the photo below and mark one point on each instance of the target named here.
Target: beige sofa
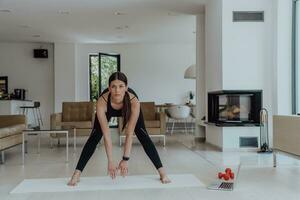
(286, 136)
(155, 122)
(11, 127)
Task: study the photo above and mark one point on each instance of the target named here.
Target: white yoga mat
(106, 183)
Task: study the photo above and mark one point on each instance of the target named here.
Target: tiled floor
(257, 178)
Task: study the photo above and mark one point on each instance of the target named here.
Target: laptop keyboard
(226, 186)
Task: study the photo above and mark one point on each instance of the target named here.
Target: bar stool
(35, 111)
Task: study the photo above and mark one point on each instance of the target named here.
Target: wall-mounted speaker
(40, 53)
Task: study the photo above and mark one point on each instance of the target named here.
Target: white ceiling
(95, 21)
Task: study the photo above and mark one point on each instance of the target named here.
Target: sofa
(155, 122)
(11, 127)
(286, 136)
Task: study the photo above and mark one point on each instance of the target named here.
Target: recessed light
(24, 26)
(122, 27)
(63, 12)
(5, 10)
(119, 13)
(36, 36)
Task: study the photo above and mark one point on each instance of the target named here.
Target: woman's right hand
(112, 170)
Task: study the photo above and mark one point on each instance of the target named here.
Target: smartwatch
(125, 158)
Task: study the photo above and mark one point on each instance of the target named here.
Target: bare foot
(165, 180)
(75, 178)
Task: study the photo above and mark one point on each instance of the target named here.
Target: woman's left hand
(123, 167)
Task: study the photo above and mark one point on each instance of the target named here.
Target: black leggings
(140, 132)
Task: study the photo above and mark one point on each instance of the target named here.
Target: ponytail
(126, 111)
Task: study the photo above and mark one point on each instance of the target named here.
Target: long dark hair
(126, 110)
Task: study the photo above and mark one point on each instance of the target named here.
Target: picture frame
(4, 84)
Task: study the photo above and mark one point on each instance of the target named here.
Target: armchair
(155, 122)
(74, 115)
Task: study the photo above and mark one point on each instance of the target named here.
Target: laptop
(224, 185)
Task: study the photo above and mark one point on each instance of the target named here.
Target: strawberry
(220, 175)
(232, 175)
(226, 177)
(227, 170)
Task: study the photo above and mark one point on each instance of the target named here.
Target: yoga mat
(106, 183)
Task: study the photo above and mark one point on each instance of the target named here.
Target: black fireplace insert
(234, 107)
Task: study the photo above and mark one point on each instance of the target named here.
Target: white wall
(154, 71)
(64, 74)
(248, 50)
(283, 57)
(254, 55)
(200, 71)
(247, 46)
(213, 60)
(34, 75)
(213, 45)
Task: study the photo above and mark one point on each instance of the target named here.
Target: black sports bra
(111, 112)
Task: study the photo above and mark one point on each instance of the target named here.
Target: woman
(118, 101)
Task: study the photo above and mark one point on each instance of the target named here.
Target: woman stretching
(118, 101)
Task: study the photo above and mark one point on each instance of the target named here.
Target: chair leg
(40, 116)
(172, 127)
(2, 157)
(35, 117)
(26, 146)
(185, 126)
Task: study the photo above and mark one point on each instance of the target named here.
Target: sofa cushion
(11, 130)
(148, 109)
(71, 125)
(77, 111)
(10, 141)
(152, 124)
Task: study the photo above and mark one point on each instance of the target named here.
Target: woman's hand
(123, 167)
(112, 170)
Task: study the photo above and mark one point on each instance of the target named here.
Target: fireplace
(234, 107)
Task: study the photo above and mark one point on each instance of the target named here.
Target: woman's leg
(143, 137)
(87, 152)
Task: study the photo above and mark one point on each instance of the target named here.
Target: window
(102, 65)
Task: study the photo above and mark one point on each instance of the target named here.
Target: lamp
(190, 72)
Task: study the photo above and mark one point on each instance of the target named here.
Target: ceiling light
(63, 12)
(190, 72)
(24, 26)
(119, 13)
(122, 27)
(5, 10)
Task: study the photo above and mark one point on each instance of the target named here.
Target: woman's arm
(135, 111)
(101, 109)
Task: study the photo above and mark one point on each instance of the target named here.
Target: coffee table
(44, 131)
